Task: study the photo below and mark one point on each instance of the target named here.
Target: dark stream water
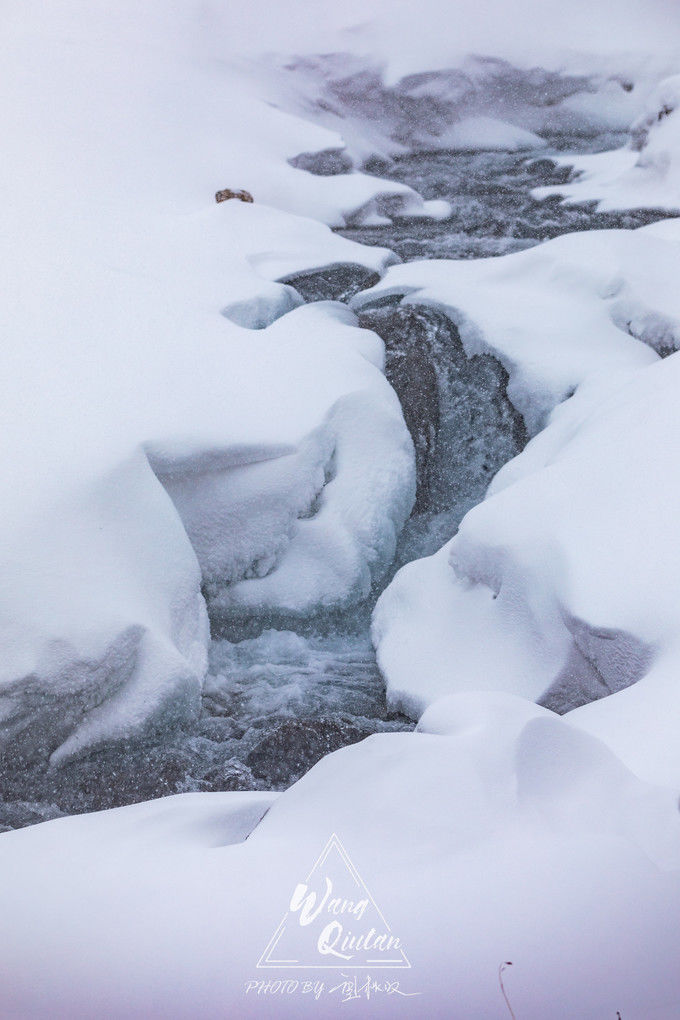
(277, 701)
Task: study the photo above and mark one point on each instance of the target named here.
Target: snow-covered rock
(488, 133)
(553, 315)
(644, 174)
(174, 419)
(376, 94)
(313, 522)
(126, 372)
(562, 584)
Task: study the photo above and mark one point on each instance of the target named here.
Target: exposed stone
(228, 775)
(242, 195)
(601, 662)
(334, 283)
(463, 425)
(289, 748)
(326, 163)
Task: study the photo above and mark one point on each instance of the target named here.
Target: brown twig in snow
(508, 963)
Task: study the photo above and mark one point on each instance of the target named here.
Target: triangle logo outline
(268, 959)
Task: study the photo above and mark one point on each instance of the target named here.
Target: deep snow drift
(117, 276)
(504, 835)
(149, 425)
(566, 567)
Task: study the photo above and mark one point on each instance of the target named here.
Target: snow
(581, 38)
(119, 265)
(488, 133)
(562, 583)
(501, 858)
(121, 373)
(312, 524)
(644, 174)
(550, 314)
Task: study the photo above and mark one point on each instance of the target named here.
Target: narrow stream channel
(275, 702)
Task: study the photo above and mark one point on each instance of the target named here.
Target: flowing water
(274, 703)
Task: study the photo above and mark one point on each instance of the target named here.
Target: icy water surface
(274, 703)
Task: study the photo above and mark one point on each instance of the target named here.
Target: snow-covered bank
(644, 174)
(386, 99)
(120, 371)
(561, 584)
(123, 125)
(556, 315)
(510, 837)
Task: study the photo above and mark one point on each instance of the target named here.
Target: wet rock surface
(326, 163)
(290, 748)
(273, 705)
(335, 283)
(463, 426)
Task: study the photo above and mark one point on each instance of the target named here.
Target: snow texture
(477, 842)
(145, 423)
(644, 174)
(561, 585)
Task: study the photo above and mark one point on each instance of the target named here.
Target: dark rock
(227, 193)
(231, 774)
(463, 426)
(218, 728)
(547, 171)
(335, 283)
(326, 163)
(290, 747)
(377, 166)
(17, 814)
(601, 662)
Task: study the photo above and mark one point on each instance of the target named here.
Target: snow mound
(292, 528)
(519, 836)
(562, 585)
(267, 303)
(472, 133)
(645, 174)
(553, 314)
(122, 376)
